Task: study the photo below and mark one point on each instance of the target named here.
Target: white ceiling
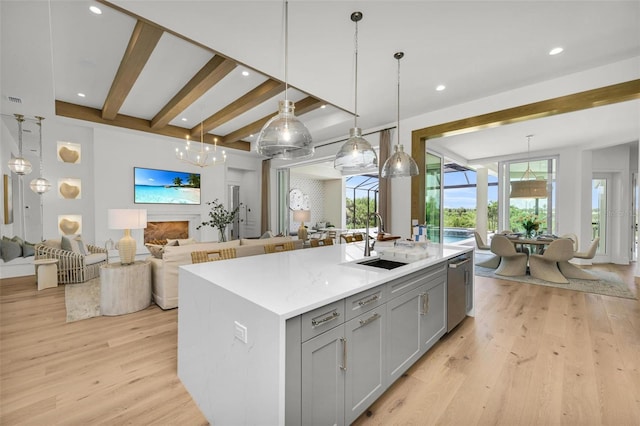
(476, 48)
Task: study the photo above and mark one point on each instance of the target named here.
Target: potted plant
(220, 218)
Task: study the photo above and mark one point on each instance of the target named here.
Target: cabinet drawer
(322, 319)
(364, 301)
(431, 276)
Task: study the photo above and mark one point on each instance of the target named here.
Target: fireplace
(171, 226)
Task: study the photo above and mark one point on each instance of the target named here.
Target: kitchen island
(305, 336)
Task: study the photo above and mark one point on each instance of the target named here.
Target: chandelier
(202, 156)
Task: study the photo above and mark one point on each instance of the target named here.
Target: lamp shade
(356, 155)
(301, 215)
(40, 185)
(20, 166)
(127, 218)
(400, 164)
(284, 136)
(528, 189)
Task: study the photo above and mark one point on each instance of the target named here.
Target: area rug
(607, 284)
(82, 300)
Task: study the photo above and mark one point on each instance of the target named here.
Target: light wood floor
(533, 355)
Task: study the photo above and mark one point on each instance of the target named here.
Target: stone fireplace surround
(193, 221)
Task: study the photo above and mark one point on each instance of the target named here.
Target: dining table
(538, 242)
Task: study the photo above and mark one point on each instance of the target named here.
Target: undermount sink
(381, 263)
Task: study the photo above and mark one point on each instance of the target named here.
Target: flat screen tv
(153, 186)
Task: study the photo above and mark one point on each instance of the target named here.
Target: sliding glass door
(433, 195)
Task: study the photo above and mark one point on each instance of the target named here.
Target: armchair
(73, 267)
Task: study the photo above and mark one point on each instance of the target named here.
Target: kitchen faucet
(367, 248)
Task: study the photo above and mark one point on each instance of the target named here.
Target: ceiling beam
(306, 105)
(79, 112)
(143, 40)
(255, 97)
(208, 76)
(601, 96)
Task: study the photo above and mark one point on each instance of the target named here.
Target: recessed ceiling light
(82, 95)
(323, 106)
(440, 87)
(96, 10)
(556, 50)
(251, 135)
(245, 73)
(184, 118)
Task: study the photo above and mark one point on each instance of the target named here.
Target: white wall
(335, 203)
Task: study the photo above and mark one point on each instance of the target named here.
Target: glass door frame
(440, 232)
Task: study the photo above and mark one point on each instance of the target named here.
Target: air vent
(14, 99)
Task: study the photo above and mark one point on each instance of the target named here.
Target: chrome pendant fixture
(356, 155)
(399, 164)
(284, 136)
(40, 185)
(529, 185)
(20, 165)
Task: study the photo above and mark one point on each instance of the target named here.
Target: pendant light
(529, 185)
(20, 165)
(400, 164)
(284, 136)
(356, 155)
(40, 185)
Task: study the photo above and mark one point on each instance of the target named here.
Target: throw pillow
(10, 249)
(28, 249)
(186, 241)
(171, 242)
(72, 243)
(156, 250)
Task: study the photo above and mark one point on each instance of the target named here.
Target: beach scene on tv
(154, 186)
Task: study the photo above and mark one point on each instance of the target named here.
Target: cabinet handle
(333, 315)
(425, 303)
(369, 300)
(343, 367)
(373, 317)
(466, 276)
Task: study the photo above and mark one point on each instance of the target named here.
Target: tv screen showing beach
(152, 186)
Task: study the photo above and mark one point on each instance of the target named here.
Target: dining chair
(512, 263)
(545, 266)
(591, 252)
(480, 244)
(347, 238)
(573, 238)
(212, 255)
(275, 248)
(359, 236)
(321, 242)
(494, 261)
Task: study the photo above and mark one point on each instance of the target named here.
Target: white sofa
(165, 270)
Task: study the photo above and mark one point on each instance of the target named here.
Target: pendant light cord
(286, 48)
(398, 56)
(40, 142)
(355, 117)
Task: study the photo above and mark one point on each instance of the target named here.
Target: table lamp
(127, 219)
(302, 216)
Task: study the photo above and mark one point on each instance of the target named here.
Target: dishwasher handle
(459, 263)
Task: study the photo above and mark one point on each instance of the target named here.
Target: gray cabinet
(352, 350)
(365, 370)
(323, 379)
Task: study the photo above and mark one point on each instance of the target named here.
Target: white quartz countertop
(291, 283)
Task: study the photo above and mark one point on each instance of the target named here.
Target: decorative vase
(223, 234)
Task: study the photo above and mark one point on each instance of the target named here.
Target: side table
(47, 273)
(125, 288)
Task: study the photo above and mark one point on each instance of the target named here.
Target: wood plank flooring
(533, 355)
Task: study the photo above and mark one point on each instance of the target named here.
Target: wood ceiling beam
(143, 40)
(208, 76)
(79, 112)
(255, 97)
(601, 96)
(306, 105)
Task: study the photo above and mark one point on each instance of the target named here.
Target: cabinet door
(323, 378)
(403, 332)
(365, 378)
(432, 316)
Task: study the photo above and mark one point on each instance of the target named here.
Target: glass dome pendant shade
(356, 156)
(284, 136)
(20, 165)
(40, 185)
(400, 164)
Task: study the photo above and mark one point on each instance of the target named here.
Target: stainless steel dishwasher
(458, 281)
